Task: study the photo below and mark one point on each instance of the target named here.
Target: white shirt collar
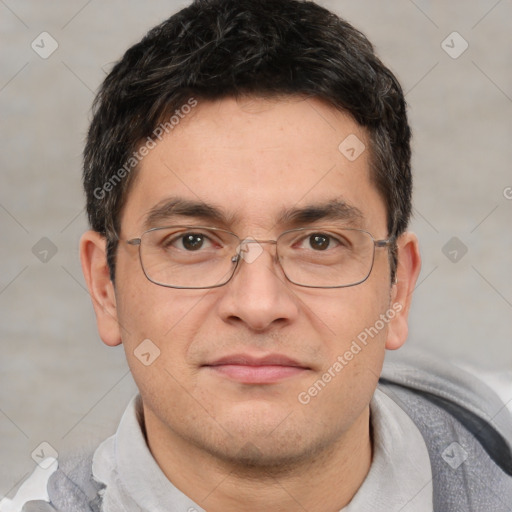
(400, 477)
(133, 479)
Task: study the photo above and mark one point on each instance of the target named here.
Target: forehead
(256, 161)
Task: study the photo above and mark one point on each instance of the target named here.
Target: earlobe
(101, 289)
(409, 266)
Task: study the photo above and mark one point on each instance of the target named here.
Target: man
(248, 186)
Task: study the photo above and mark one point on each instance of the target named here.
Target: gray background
(58, 382)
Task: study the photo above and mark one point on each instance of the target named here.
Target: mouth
(247, 369)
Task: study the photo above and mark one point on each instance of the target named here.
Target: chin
(268, 443)
(268, 456)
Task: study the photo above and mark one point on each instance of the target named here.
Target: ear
(408, 269)
(93, 256)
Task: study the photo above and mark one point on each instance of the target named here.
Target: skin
(249, 447)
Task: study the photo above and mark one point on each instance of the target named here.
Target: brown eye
(192, 242)
(319, 242)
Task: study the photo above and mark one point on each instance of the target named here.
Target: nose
(258, 295)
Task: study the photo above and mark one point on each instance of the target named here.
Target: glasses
(197, 257)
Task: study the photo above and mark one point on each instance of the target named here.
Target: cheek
(152, 311)
(346, 314)
(160, 321)
(159, 326)
(354, 348)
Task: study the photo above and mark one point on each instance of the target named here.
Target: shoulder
(462, 394)
(33, 492)
(466, 427)
(72, 487)
(67, 485)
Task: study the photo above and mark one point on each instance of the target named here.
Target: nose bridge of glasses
(250, 249)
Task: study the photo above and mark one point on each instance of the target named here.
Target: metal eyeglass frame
(237, 257)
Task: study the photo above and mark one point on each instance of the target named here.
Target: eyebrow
(334, 210)
(178, 207)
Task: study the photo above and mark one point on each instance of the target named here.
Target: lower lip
(266, 374)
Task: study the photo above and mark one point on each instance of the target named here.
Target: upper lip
(248, 360)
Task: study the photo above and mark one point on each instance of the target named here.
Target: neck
(326, 481)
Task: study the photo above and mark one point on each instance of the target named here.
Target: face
(239, 366)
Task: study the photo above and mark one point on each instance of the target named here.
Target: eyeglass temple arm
(385, 243)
